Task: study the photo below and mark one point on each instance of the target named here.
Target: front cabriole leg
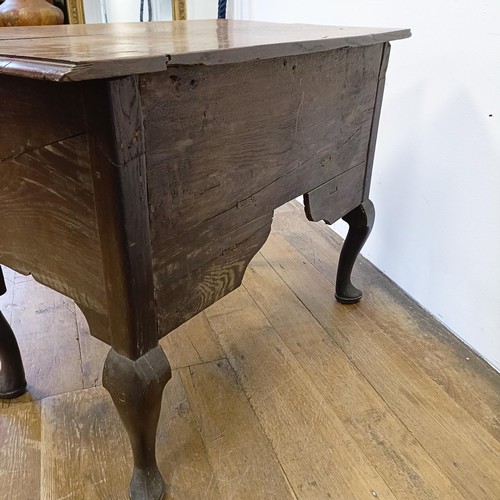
(136, 388)
(360, 222)
(12, 378)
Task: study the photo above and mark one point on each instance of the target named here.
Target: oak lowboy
(140, 165)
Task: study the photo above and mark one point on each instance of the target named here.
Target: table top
(83, 52)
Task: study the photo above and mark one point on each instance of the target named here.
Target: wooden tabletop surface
(82, 52)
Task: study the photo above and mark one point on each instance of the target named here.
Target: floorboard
(277, 392)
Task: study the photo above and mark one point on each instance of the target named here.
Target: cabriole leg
(360, 222)
(136, 388)
(12, 378)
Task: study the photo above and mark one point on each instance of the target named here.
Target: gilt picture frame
(76, 12)
(179, 10)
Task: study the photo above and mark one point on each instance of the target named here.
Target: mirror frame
(179, 10)
(76, 12)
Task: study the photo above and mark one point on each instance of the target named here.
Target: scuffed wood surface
(261, 133)
(330, 201)
(179, 300)
(192, 343)
(35, 114)
(293, 124)
(82, 431)
(79, 52)
(177, 171)
(287, 402)
(443, 357)
(20, 441)
(45, 176)
(181, 452)
(371, 423)
(52, 183)
(362, 371)
(431, 416)
(118, 166)
(239, 451)
(51, 358)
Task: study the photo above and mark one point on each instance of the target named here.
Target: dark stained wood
(136, 388)
(376, 118)
(360, 222)
(250, 154)
(116, 143)
(333, 199)
(148, 199)
(37, 114)
(3, 285)
(293, 124)
(12, 378)
(81, 52)
(180, 300)
(53, 183)
(83, 450)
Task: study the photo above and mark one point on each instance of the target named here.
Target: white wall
(202, 9)
(436, 183)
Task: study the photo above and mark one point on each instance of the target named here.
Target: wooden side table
(140, 165)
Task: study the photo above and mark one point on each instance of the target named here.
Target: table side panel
(326, 202)
(36, 113)
(226, 145)
(48, 223)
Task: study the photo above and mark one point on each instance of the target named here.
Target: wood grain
(31, 121)
(180, 300)
(290, 409)
(376, 118)
(429, 414)
(116, 148)
(81, 52)
(447, 361)
(411, 466)
(53, 183)
(330, 201)
(240, 454)
(399, 458)
(45, 173)
(20, 441)
(192, 343)
(210, 187)
(294, 124)
(182, 455)
(81, 431)
(44, 327)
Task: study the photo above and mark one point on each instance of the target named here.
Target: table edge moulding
(141, 164)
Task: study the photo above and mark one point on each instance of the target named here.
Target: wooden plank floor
(277, 392)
